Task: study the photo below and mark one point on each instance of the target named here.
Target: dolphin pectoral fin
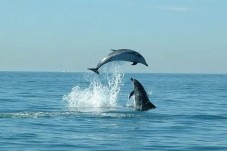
(94, 70)
(131, 94)
(134, 63)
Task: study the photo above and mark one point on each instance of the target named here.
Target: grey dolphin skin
(142, 102)
(121, 55)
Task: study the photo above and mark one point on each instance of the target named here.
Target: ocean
(84, 111)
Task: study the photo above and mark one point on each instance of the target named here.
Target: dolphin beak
(146, 64)
(131, 79)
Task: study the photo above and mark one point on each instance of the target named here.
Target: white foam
(102, 92)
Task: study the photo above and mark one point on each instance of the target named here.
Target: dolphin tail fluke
(94, 70)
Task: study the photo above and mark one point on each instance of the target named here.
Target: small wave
(34, 114)
(75, 114)
(209, 117)
(197, 117)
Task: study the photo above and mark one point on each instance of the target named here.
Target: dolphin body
(121, 55)
(142, 102)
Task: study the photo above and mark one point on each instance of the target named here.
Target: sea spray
(102, 92)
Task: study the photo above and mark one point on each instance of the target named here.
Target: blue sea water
(84, 111)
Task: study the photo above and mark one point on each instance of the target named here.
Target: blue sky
(175, 36)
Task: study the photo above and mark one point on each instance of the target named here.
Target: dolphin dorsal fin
(113, 50)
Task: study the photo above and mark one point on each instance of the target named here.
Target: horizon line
(46, 71)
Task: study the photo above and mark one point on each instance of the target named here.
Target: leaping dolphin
(142, 102)
(121, 55)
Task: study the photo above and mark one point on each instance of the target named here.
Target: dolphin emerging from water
(142, 102)
(121, 55)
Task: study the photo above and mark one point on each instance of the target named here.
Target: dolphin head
(131, 79)
(145, 63)
(141, 59)
(134, 81)
(136, 84)
(133, 84)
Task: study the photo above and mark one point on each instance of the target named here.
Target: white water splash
(102, 92)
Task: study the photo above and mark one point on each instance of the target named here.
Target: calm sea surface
(83, 111)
